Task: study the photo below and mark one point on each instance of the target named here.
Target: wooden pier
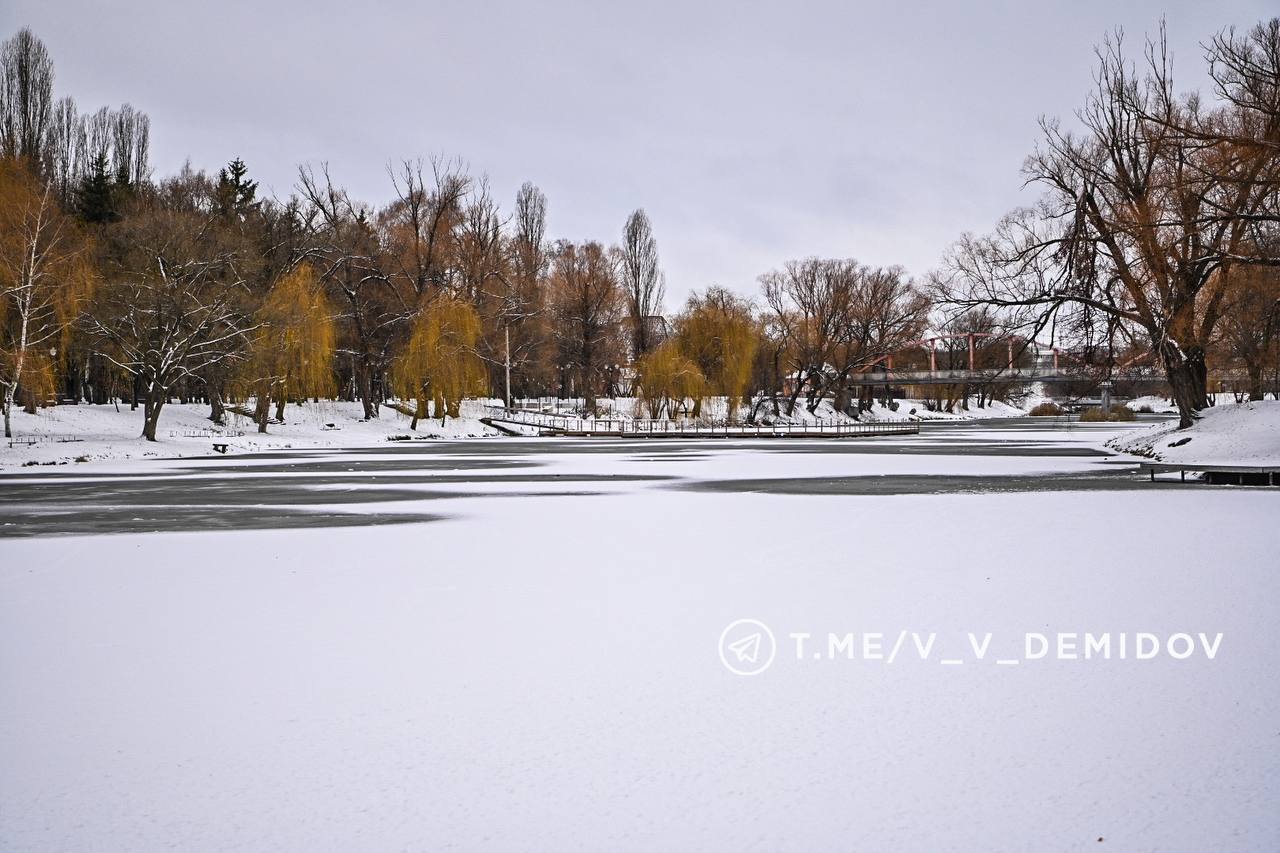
(1238, 475)
(507, 420)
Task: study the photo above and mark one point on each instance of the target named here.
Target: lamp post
(566, 380)
(506, 332)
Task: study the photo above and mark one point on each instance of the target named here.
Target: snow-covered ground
(1153, 403)
(915, 410)
(540, 668)
(65, 435)
(1226, 434)
(87, 433)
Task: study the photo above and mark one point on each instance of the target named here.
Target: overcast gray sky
(751, 133)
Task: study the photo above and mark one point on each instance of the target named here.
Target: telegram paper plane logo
(747, 647)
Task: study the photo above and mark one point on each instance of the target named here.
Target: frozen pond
(403, 483)
(508, 644)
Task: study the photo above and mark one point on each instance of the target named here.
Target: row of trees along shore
(1156, 232)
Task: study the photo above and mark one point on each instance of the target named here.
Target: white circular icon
(747, 647)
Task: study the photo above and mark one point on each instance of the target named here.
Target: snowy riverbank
(76, 434)
(1227, 434)
(85, 433)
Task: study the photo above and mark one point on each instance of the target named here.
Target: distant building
(657, 331)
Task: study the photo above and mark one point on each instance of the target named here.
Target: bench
(220, 448)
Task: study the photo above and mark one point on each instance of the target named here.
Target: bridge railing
(960, 376)
(668, 427)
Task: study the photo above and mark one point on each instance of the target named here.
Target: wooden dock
(1239, 475)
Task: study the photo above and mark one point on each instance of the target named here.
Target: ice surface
(542, 672)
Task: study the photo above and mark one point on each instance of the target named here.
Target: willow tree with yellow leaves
(719, 333)
(292, 352)
(439, 362)
(45, 279)
(669, 381)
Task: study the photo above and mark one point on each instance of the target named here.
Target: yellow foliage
(666, 379)
(439, 363)
(38, 377)
(45, 280)
(293, 349)
(719, 334)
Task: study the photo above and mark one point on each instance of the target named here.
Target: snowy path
(539, 668)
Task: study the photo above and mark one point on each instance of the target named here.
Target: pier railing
(650, 427)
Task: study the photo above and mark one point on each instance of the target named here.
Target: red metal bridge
(1023, 362)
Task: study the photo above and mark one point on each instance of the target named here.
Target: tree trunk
(151, 414)
(794, 398)
(366, 390)
(1188, 378)
(1254, 372)
(8, 407)
(217, 410)
(262, 408)
(843, 399)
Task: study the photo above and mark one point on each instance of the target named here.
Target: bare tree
(1245, 70)
(44, 278)
(74, 144)
(836, 318)
(587, 309)
(343, 243)
(63, 148)
(1143, 209)
(420, 228)
(641, 278)
(26, 96)
(1250, 331)
(172, 302)
(130, 145)
(481, 251)
(525, 329)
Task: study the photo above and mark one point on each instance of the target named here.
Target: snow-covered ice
(540, 669)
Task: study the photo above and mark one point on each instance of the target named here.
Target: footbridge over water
(1008, 359)
(518, 421)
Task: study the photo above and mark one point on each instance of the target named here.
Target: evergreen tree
(236, 194)
(96, 197)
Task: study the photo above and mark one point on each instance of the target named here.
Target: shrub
(1117, 413)
(1046, 408)
(1145, 409)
